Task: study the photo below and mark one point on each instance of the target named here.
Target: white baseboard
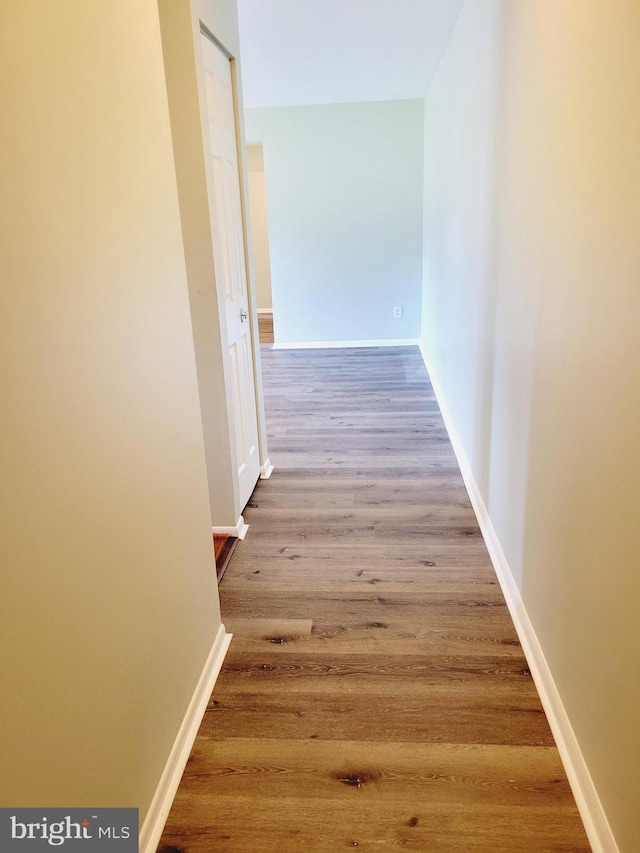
(265, 311)
(397, 342)
(266, 470)
(239, 530)
(589, 805)
(165, 793)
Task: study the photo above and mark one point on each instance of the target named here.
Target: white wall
(531, 319)
(259, 226)
(345, 218)
(109, 603)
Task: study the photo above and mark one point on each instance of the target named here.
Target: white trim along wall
(589, 805)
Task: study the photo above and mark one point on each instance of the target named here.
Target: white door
(231, 273)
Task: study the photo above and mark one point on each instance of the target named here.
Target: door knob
(243, 315)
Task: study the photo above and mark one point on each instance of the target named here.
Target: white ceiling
(298, 52)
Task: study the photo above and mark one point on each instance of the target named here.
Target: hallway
(375, 695)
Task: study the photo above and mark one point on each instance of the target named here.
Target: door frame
(266, 466)
(182, 22)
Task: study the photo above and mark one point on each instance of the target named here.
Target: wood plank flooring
(265, 328)
(375, 695)
(223, 548)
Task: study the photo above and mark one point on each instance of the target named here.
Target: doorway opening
(257, 192)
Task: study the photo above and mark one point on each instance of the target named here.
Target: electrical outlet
(397, 312)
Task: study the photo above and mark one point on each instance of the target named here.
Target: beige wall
(259, 225)
(109, 603)
(532, 324)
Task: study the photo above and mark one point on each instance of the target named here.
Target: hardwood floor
(265, 328)
(375, 695)
(223, 548)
